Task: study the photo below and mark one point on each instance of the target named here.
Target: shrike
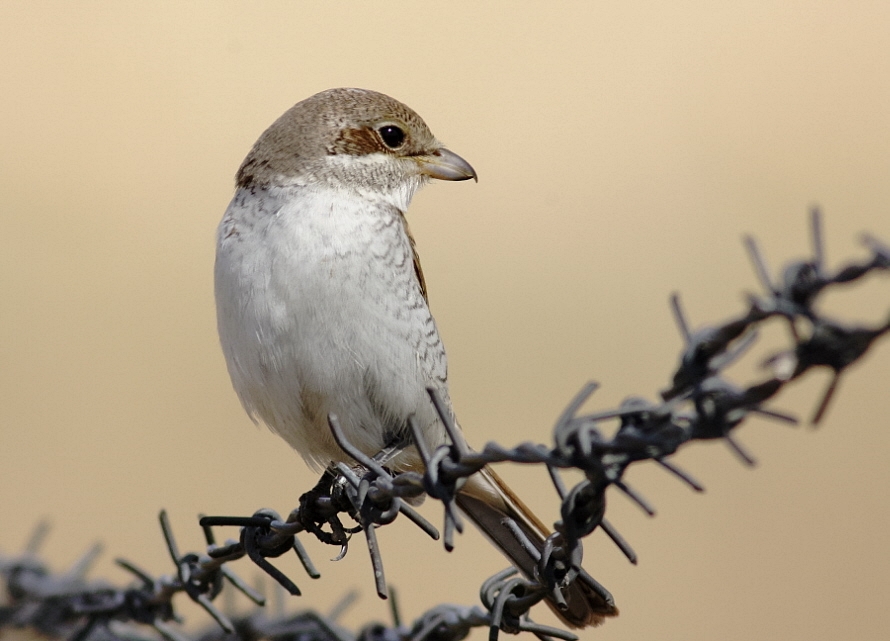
(322, 306)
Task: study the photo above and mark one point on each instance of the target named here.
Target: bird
(322, 306)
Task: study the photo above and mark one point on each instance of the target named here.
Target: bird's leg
(395, 445)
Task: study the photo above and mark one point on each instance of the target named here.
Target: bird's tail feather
(487, 501)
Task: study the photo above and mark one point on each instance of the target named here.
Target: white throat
(372, 178)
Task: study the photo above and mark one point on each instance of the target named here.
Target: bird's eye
(392, 136)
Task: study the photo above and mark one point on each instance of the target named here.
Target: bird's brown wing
(417, 268)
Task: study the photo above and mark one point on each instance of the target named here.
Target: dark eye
(392, 136)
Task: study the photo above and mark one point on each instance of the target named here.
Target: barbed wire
(700, 404)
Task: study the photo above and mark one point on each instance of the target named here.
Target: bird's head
(351, 139)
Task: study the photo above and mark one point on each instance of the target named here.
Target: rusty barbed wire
(699, 404)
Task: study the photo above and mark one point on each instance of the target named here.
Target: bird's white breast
(320, 311)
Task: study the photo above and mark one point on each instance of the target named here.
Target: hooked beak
(445, 165)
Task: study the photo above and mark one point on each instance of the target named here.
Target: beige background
(623, 149)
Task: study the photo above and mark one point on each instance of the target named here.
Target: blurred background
(623, 150)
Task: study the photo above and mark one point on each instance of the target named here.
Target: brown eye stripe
(357, 141)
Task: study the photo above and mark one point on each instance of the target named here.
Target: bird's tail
(487, 501)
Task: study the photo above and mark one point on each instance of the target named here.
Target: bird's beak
(445, 165)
